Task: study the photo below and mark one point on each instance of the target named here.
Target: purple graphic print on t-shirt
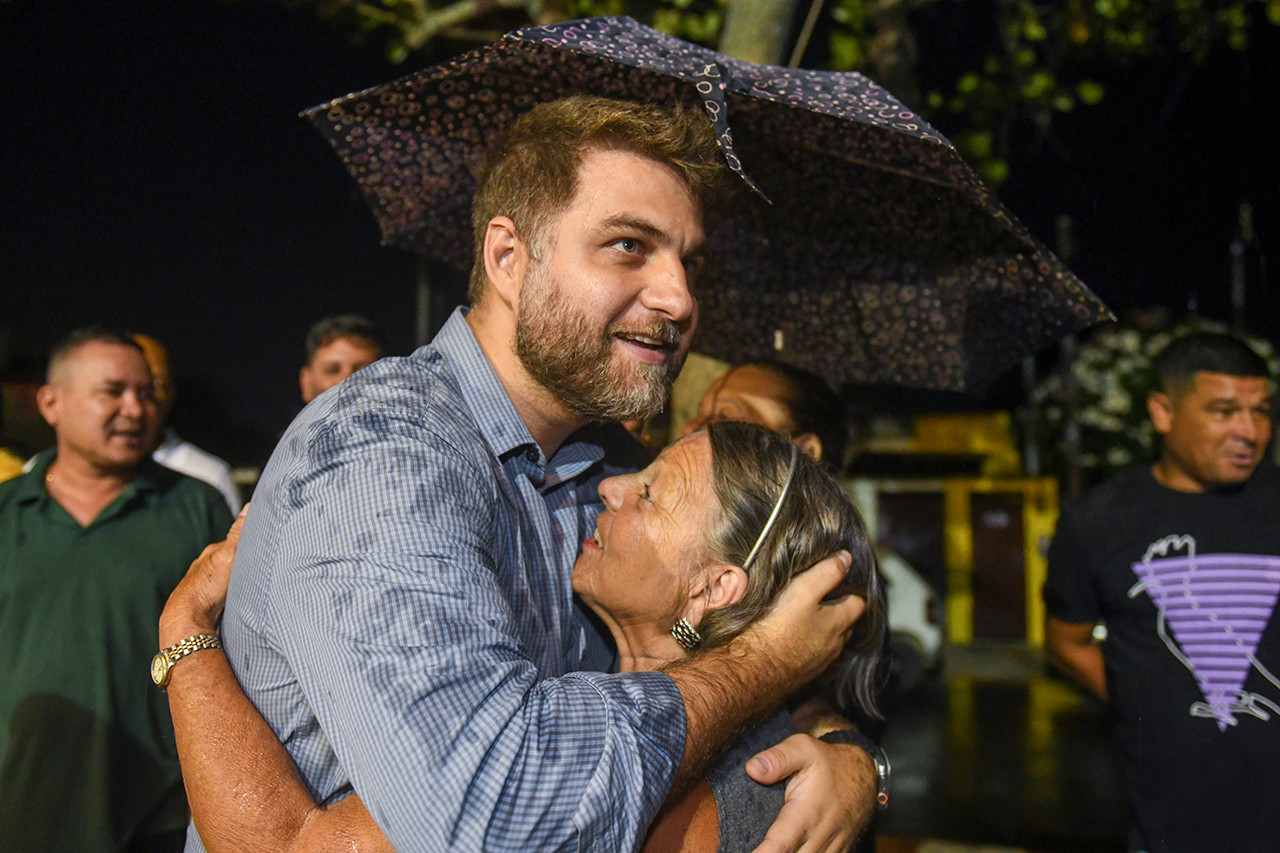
(1216, 606)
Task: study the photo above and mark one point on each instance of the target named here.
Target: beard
(559, 348)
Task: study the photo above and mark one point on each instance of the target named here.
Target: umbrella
(866, 250)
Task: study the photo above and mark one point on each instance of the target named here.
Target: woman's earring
(686, 635)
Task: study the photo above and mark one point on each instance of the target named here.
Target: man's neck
(1170, 475)
(549, 421)
(83, 489)
(1167, 475)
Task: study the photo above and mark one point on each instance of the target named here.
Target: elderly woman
(686, 554)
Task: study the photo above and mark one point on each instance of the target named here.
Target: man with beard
(92, 540)
(400, 610)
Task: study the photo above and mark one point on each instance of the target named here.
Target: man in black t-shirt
(1182, 562)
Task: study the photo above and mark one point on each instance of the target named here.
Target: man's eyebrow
(630, 222)
(1235, 402)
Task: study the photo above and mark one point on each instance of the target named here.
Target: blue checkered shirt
(400, 612)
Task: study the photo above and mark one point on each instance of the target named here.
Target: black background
(156, 176)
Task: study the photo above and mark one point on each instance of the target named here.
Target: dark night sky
(156, 176)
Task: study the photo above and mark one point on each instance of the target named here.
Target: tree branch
(433, 23)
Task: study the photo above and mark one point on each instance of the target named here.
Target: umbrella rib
(880, 167)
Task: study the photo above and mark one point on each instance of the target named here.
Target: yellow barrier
(1036, 499)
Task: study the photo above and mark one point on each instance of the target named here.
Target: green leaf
(994, 170)
(705, 27)
(1038, 85)
(978, 145)
(1090, 92)
(846, 51)
(667, 21)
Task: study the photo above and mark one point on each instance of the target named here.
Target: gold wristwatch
(162, 663)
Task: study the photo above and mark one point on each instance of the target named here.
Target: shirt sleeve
(1069, 593)
(747, 809)
(392, 613)
(212, 517)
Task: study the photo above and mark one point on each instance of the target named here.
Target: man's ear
(505, 260)
(810, 444)
(47, 403)
(304, 382)
(1160, 408)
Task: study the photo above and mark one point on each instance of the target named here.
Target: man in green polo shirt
(92, 540)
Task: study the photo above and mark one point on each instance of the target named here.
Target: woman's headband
(773, 516)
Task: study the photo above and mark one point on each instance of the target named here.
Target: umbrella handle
(710, 84)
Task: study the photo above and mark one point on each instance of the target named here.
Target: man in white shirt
(173, 452)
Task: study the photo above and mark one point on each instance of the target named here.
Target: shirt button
(531, 454)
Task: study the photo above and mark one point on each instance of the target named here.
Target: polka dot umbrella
(866, 250)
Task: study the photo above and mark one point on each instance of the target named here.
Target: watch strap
(878, 758)
(178, 651)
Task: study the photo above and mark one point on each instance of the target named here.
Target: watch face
(160, 669)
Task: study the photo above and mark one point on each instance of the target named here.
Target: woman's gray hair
(749, 465)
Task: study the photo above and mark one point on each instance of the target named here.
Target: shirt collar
(30, 486)
(499, 422)
(168, 440)
(501, 425)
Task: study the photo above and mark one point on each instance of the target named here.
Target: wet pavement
(997, 753)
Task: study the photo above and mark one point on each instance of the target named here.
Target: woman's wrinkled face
(649, 540)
